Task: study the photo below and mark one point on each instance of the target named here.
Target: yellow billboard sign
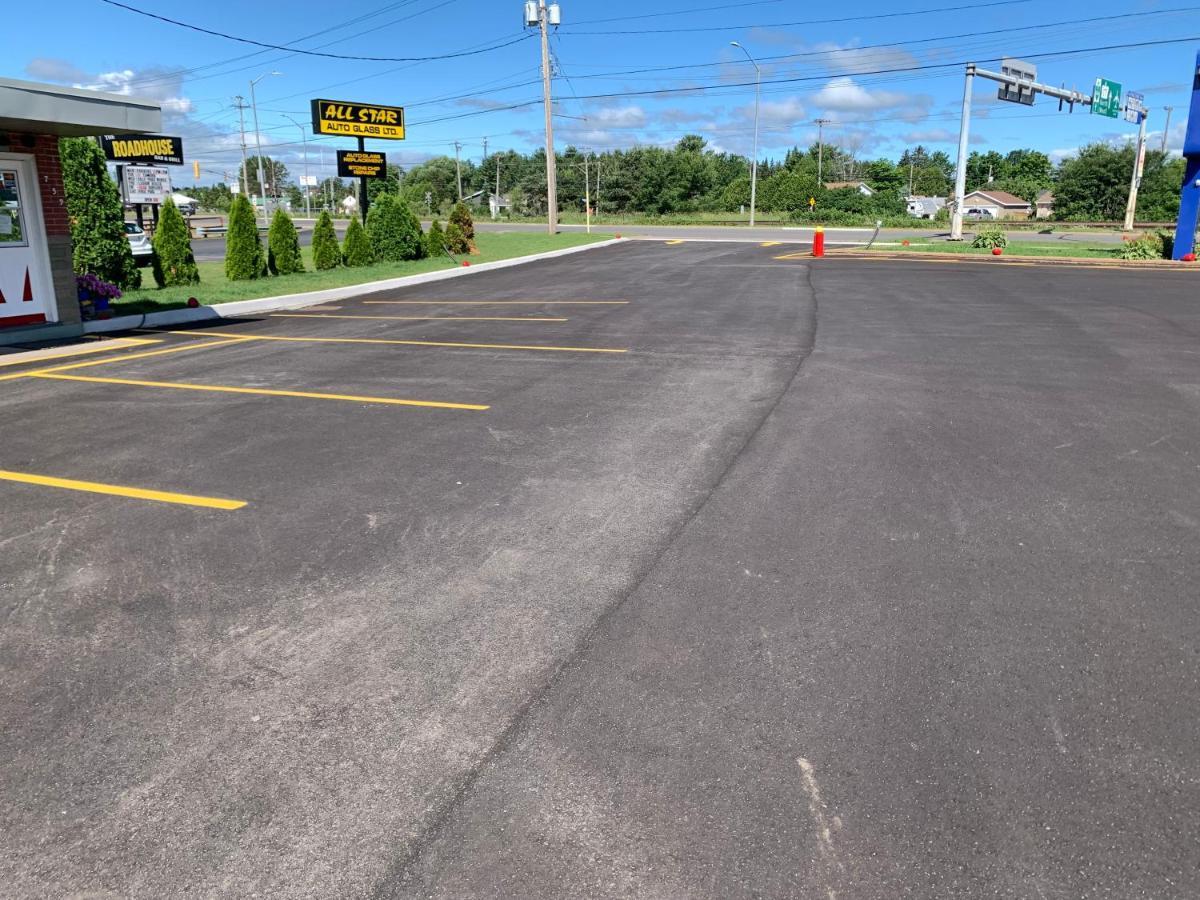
(359, 120)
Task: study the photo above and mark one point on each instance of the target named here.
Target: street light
(307, 188)
(262, 182)
(754, 161)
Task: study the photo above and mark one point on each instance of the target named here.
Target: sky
(885, 75)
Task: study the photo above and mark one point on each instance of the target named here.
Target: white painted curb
(316, 298)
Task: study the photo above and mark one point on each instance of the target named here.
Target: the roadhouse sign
(361, 164)
(365, 120)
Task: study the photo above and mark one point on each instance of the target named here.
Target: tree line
(693, 178)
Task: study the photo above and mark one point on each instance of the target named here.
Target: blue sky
(604, 49)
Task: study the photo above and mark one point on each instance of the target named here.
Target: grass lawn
(1014, 248)
(213, 288)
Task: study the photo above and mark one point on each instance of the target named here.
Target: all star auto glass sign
(365, 120)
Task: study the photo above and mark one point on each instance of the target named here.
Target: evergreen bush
(243, 249)
(283, 245)
(394, 230)
(99, 245)
(174, 263)
(435, 240)
(461, 216)
(456, 241)
(326, 252)
(356, 248)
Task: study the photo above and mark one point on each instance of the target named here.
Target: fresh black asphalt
(852, 579)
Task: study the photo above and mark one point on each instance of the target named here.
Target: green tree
(389, 184)
(435, 240)
(174, 263)
(274, 171)
(461, 216)
(395, 231)
(243, 249)
(283, 246)
(326, 252)
(1094, 185)
(456, 241)
(99, 245)
(356, 247)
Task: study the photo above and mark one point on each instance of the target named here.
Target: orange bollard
(819, 241)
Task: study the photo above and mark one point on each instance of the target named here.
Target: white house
(995, 205)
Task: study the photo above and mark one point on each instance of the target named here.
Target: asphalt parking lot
(664, 569)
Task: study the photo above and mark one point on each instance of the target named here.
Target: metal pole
(497, 212)
(1139, 158)
(547, 100)
(241, 108)
(754, 159)
(262, 182)
(458, 168)
(307, 189)
(960, 175)
(587, 191)
(1166, 127)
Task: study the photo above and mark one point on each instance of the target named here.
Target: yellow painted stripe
(40, 356)
(770, 243)
(124, 357)
(262, 392)
(495, 303)
(1001, 262)
(117, 490)
(423, 318)
(392, 341)
(673, 243)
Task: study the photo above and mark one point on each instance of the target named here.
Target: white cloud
(853, 102)
(46, 68)
(617, 117)
(930, 136)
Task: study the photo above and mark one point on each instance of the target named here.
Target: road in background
(854, 578)
(214, 247)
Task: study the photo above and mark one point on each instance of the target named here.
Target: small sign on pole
(361, 164)
(146, 184)
(1106, 98)
(1135, 107)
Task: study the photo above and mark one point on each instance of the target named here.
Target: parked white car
(139, 243)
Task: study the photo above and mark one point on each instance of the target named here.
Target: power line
(300, 52)
(894, 15)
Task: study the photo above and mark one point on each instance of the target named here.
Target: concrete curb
(315, 298)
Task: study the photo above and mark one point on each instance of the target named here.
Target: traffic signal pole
(1139, 165)
(1023, 87)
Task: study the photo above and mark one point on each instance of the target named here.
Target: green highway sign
(1106, 98)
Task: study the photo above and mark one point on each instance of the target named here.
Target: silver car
(139, 243)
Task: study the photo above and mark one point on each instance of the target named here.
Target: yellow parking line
(261, 392)
(125, 357)
(39, 356)
(495, 303)
(396, 341)
(117, 490)
(424, 318)
(770, 243)
(802, 255)
(673, 243)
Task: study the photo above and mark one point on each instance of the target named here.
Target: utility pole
(458, 168)
(821, 123)
(262, 183)
(754, 160)
(497, 212)
(307, 188)
(547, 16)
(1166, 127)
(960, 174)
(1139, 163)
(240, 105)
(587, 189)
(910, 175)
